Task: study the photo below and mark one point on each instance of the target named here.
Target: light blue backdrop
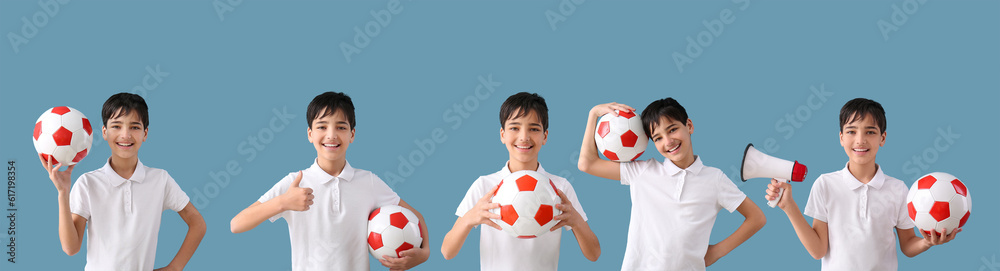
(214, 73)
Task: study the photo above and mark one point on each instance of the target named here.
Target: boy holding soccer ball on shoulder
(123, 201)
(327, 205)
(674, 203)
(523, 130)
(856, 209)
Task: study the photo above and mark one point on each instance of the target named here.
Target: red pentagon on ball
(926, 182)
(959, 187)
(508, 214)
(60, 110)
(626, 114)
(544, 214)
(398, 220)
(526, 183)
(629, 139)
(375, 240)
(603, 128)
(940, 211)
(62, 137)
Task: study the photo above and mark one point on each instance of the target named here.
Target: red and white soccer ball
(527, 204)
(939, 200)
(64, 134)
(392, 229)
(620, 136)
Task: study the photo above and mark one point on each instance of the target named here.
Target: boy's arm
(912, 245)
(815, 238)
(479, 214)
(196, 231)
(411, 257)
(71, 225)
(585, 237)
(754, 220)
(590, 160)
(295, 199)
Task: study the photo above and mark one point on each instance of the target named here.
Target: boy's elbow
(71, 251)
(594, 255)
(234, 226)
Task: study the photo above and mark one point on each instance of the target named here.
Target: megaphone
(759, 165)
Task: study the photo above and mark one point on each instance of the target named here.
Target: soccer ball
(939, 200)
(620, 136)
(392, 229)
(64, 134)
(527, 204)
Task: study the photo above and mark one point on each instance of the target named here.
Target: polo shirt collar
(695, 167)
(137, 176)
(317, 173)
(506, 169)
(853, 183)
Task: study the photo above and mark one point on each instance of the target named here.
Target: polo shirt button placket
(128, 197)
(864, 202)
(335, 193)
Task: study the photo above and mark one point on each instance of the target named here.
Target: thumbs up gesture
(297, 198)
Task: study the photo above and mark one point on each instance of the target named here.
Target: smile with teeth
(860, 150)
(674, 148)
(523, 147)
(125, 144)
(330, 145)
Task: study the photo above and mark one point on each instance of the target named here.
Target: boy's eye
(341, 128)
(535, 129)
(672, 130)
(512, 128)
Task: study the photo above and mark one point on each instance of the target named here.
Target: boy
(124, 200)
(524, 128)
(674, 203)
(330, 234)
(855, 209)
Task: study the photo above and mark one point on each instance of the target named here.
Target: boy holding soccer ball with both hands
(123, 201)
(855, 209)
(674, 203)
(327, 205)
(523, 130)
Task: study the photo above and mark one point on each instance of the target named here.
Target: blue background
(229, 71)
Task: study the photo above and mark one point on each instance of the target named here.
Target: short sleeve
(174, 198)
(816, 206)
(382, 194)
(730, 196)
(629, 171)
(79, 198)
(279, 188)
(471, 197)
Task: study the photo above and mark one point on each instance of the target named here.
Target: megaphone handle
(781, 191)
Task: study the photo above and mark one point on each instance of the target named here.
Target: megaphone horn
(759, 165)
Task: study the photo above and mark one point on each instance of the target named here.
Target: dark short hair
(860, 108)
(523, 103)
(121, 104)
(327, 104)
(668, 108)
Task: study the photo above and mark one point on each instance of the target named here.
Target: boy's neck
(124, 167)
(332, 167)
(515, 166)
(685, 162)
(863, 172)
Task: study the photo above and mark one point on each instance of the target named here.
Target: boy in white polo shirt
(327, 205)
(124, 200)
(674, 203)
(524, 126)
(856, 209)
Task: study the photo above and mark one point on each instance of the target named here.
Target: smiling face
(124, 133)
(861, 139)
(331, 135)
(524, 137)
(673, 140)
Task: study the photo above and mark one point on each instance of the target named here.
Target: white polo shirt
(673, 211)
(123, 215)
(862, 219)
(332, 234)
(500, 251)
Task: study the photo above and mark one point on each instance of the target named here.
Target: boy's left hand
(712, 255)
(409, 259)
(936, 238)
(569, 216)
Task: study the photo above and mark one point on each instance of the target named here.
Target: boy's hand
(712, 255)
(61, 179)
(602, 109)
(480, 214)
(408, 259)
(787, 203)
(936, 238)
(569, 217)
(297, 198)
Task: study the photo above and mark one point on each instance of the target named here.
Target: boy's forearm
(454, 239)
(589, 244)
(912, 245)
(252, 216)
(196, 231)
(807, 234)
(69, 237)
(751, 224)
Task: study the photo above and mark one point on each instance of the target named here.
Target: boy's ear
(690, 126)
(501, 136)
(882, 144)
(309, 134)
(545, 137)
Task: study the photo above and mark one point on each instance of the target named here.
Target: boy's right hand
(297, 198)
(480, 214)
(61, 179)
(601, 109)
(787, 203)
